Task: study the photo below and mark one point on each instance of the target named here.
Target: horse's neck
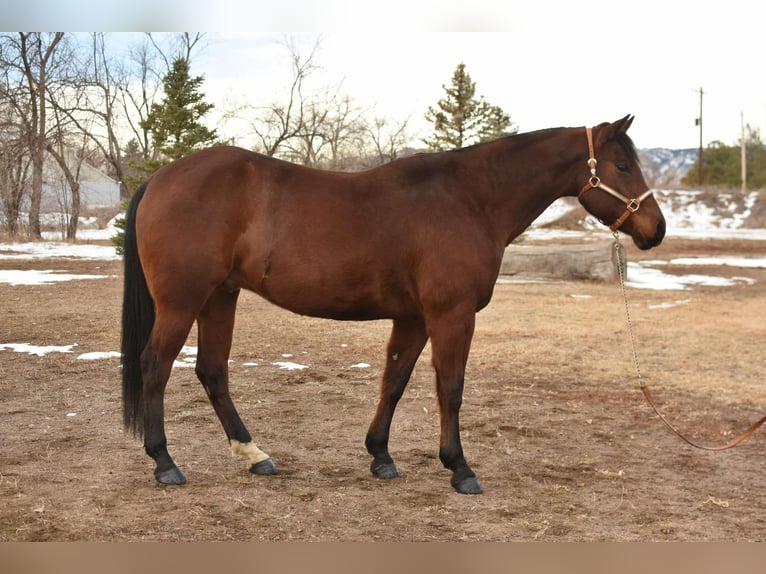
(533, 171)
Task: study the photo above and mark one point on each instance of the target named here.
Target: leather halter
(631, 205)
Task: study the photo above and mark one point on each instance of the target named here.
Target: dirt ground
(553, 421)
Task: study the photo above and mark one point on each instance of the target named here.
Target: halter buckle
(633, 205)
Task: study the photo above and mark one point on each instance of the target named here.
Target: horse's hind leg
(404, 347)
(168, 336)
(216, 325)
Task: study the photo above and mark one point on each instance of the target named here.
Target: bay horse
(418, 240)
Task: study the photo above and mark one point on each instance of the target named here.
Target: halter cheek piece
(631, 205)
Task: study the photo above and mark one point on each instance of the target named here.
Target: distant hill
(664, 168)
(691, 213)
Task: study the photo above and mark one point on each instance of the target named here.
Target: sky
(546, 63)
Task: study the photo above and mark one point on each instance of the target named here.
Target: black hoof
(386, 471)
(265, 467)
(470, 485)
(171, 476)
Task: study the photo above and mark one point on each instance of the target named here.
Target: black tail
(137, 323)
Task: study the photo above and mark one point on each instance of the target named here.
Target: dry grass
(553, 422)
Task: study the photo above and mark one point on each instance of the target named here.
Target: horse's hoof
(470, 485)
(171, 476)
(265, 467)
(386, 471)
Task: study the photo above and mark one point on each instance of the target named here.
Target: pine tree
(175, 127)
(722, 164)
(175, 122)
(463, 119)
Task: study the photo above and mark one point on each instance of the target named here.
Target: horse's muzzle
(645, 243)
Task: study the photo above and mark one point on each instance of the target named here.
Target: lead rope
(618, 249)
(621, 273)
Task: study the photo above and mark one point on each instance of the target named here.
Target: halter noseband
(631, 205)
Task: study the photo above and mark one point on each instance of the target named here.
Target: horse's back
(355, 245)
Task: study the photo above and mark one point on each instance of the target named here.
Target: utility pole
(744, 154)
(699, 123)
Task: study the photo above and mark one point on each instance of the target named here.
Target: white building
(96, 188)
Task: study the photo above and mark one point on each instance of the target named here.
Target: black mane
(629, 147)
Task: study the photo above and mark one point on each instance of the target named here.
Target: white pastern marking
(247, 450)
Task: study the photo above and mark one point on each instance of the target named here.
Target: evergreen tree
(175, 122)
(175, 127)
(462, 119)
(722, 164)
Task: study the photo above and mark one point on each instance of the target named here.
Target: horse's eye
(624, 167)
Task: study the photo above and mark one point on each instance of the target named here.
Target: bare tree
(69, 158)
(388, 138)
(329, 121)
(321, 127)
(178, 46)
(136, 100)
(274, 126)
(14, 163)
(345, 130)
(64, 99)
(30, 60)
(94, 105)
(14, 176)
(306, 145)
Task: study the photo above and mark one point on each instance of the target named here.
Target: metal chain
(621, 272)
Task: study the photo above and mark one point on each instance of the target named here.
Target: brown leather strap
(729, 444)
(595, 182)
(620, 220)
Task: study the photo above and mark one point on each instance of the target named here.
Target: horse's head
(615, 191)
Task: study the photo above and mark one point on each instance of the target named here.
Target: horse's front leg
(451, 341)
(404, 347)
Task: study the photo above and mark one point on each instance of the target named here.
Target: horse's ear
(610, 131)
(622, 126)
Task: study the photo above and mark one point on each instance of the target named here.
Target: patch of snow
(52, 250)
(718, 233)
(688, 214)
(640, 276)
(40, 277)
(38, 350)
(669, 305)
(748, 262)
(549, 234)
(360, 366)
(98, 355)
(87, 227)
(287, 365)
